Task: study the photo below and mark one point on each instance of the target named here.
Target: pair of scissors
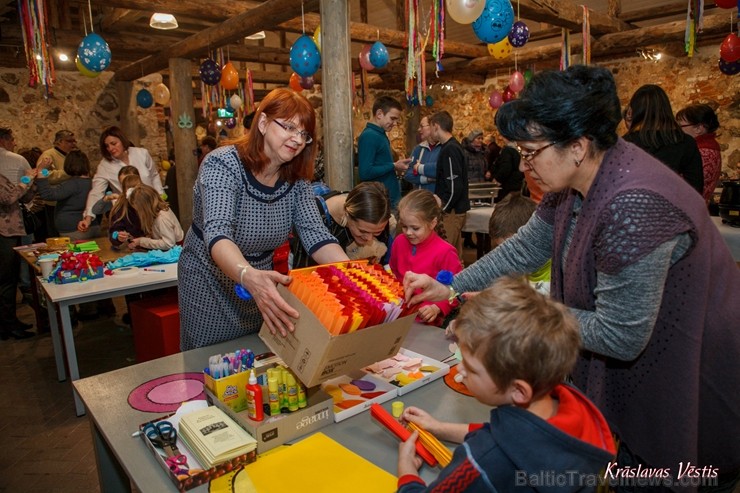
(163, 435)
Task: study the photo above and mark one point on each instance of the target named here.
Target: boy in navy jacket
(517, 347)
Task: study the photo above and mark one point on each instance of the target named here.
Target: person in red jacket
(517, 346)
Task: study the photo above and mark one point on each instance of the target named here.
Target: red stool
(156, 326)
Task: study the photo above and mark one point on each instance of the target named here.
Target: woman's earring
(578, 162)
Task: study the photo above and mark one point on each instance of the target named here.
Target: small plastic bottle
(254, 399)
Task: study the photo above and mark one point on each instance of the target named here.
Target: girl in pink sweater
(421, 250)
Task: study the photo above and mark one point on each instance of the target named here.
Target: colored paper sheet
(320, 465)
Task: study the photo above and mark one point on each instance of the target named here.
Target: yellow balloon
(500, 50)
(84, 70)
(166, 165)
(317, 37)
(161, 94)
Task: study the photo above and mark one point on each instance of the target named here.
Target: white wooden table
(61, 296)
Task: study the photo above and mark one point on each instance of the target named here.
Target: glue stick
(254, 399)
(292, 391)
(302, 396)
(273, 396)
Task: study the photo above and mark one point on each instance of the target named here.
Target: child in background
(420, 249)
(518, 346)
(508, 216)
(124, 221)
(161, 228)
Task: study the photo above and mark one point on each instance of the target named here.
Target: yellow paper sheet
(317, 464)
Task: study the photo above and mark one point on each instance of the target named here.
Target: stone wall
(83, 105)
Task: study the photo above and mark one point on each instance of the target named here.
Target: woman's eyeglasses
(528, 156)
(295, 131)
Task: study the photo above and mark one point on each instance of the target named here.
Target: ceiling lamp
(163, 21)
(259, 35)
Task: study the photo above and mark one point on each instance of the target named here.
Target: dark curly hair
(564, 106)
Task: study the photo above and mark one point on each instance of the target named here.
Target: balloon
(379, 55)
(295, 82)
(307, 82)
(465, 11)
(161, 94)
(305, 58)
(210, 72)
(495, 100)
(317, 37)
(235, 101)
(365, 58)
(229, 77)
(729, 68)
(94, 53)
(495, 22)
(429, 101)
(230, 122)
(726, 4)
(729, 50)
(144, 99)
(166, 165)
(528, 75)
(83, 70)
(508, 95)
(519, 34)
(516, 81)
(500, 50)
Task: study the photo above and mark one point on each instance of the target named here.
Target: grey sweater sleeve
(523, 253)
(627, 303)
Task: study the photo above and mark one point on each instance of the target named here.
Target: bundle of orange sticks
(434, 446)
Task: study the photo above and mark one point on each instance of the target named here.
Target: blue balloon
(94, 53)
(210, 72)
(729, 68)
(379, 55)
(305, 58)
(429, 101)
(495, 22)
(144, 99)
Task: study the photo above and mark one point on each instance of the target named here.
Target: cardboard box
(277, 430)
(232, 390)
(199, 476)
(315, 356)
(68, 276)
(156, 326)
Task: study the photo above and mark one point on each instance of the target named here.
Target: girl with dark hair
(654, 129)
(247, 198)
(637, 259)
(700, 121)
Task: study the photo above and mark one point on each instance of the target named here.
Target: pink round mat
(166, 394)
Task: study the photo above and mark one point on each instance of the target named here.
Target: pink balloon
(508, 95)
(495, 100)
(365, 58)
(516, 82)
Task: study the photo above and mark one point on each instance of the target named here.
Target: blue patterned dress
(228, 202)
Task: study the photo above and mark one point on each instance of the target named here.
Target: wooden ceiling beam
(267, 14)
(568, 14)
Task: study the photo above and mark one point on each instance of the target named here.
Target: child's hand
(428, 313)
(450, 330)
(84, 225)
(123, 236)
(408, 461)
(44, 163)
(422, 419)
(133, 244)
(110, 197)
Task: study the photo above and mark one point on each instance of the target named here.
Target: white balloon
(236, 101)
(465, 11)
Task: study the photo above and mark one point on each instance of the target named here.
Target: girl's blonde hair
(148, 204)
(129, 180)
(424, 204)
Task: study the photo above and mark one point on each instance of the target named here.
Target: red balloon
(365, 58)
(729, 50)
(508, 95)
(295, 82)
(726, 4)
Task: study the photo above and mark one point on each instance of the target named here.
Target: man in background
(64, 142)
(423, 168)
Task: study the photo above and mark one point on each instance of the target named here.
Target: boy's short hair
(443, 119)
(509, 215)
(385, 104)
(518, 333)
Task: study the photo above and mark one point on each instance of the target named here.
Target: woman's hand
(428, 313)
(431, 290)
(44, 163)
(84, 225)
(276, 312)
(408, 461)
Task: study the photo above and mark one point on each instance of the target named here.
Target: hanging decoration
(307, 82)
(210, 72)
(519, 34)
(317, 37)
(235, 101)
(229, 77)
(694, 24)
(81, 68)
(295, 82)
(161, 94)
(305, 58)
(94, 53)
(250, 92)
(495, 100)
(364, 58)
(508, 94)
(33, 20)
(379, 55)
(420, 34)
(528, 75)
(586, 36)
(565, 49)
(729, 68)
(516, 81)
(465, 11)
(726, 4)
(495, 22)
(729, 50)
(500, 50)
(144, 99)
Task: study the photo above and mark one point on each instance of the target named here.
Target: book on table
(214, 437)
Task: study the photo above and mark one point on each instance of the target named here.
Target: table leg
(56, 341)
(111, 475)
(69, 347)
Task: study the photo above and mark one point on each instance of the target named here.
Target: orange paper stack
(349, 296)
